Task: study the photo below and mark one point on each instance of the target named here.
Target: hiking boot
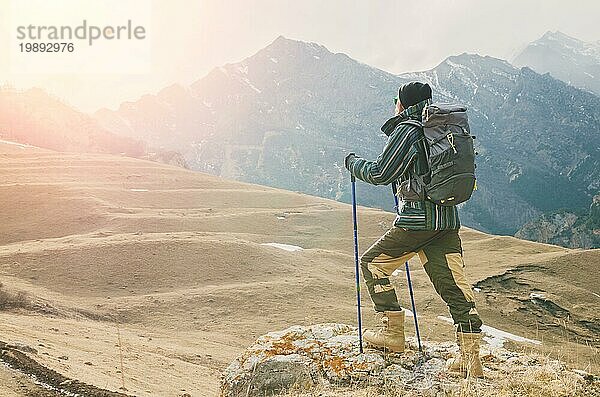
(390, 336)
(467, 363)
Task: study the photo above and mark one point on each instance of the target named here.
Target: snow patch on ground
(285, 247)
(274, 60)
(455, 65)
(537, 295)
(251, 85)
(496, 337)
(21, 145)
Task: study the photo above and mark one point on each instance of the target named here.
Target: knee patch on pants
(384, 265)
(456, 265)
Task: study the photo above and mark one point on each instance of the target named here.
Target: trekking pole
(353, 180)
(410, 289)
(412, 301)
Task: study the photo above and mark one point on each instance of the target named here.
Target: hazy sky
(187, 38)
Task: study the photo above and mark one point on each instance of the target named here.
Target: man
(421, 228)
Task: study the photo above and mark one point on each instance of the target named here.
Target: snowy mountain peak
(565, 42)
(466, 59)
(559, 36)
(569, 59)
(286, 45)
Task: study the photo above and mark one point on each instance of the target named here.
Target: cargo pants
(440, 252)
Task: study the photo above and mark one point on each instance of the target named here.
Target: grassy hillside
(138, 274)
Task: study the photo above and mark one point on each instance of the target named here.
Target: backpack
(451, 156)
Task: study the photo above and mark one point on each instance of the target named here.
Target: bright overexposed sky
(187, 38)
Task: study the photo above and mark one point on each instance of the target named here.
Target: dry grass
(182, 269)
(13, 300)
(547, 379)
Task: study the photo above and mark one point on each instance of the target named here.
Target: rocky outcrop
(326, 357)
(566, 228)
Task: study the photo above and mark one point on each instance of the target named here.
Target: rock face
(565, 228)
(326, 356)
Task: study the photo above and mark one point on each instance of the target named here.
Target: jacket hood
(413, 112)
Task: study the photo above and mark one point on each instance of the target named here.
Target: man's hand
(347, 160)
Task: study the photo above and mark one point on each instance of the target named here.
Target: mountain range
(35, 118)
(287, 115)
(574, 61)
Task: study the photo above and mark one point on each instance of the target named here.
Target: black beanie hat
(413, 93)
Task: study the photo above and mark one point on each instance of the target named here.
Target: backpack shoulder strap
(416, 123)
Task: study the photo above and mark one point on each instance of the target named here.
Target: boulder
(327, 356)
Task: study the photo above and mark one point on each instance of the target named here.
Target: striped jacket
(405, 155)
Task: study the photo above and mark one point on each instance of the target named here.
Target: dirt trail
(16, 384)
(47, 382)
